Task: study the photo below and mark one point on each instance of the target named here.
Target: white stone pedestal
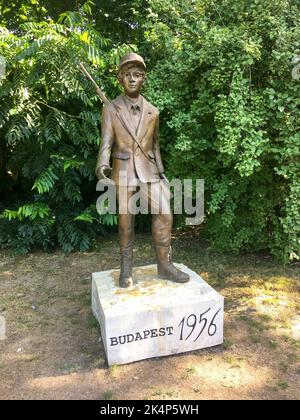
(155, 317)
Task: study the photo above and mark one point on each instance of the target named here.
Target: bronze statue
(130, 133)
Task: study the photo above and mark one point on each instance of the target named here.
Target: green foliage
(49, 130)
(230, 114)
(30, 211)
(31, 225)
(16, 12)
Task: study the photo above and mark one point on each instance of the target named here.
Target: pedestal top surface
(149, 292)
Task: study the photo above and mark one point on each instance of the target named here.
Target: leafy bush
(49, 128)
(230, 114)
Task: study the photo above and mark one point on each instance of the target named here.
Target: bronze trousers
(145, 198)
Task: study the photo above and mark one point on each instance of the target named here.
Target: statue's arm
(107, 134)
(156, 148)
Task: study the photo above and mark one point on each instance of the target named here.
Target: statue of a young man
(130, 133)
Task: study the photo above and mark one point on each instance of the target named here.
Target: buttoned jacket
(135, 153)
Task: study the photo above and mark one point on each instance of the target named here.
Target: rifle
(98, 90)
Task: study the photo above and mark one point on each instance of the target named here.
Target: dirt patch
(53, 348)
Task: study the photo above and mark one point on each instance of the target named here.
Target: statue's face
(132, 78)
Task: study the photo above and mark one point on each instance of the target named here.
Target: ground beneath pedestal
(53, 348)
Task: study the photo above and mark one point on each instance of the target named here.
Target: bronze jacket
(120, 142)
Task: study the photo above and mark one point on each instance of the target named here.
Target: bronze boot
(125, 279)
(166, 269)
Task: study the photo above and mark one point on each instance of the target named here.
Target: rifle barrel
(98, 90)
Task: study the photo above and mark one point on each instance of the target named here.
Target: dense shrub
(49, 128)
(230, 114)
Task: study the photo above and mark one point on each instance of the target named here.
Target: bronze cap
(132, 58)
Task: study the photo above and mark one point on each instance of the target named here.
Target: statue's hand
(101, 171)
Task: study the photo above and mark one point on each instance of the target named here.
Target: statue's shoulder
(118, 101)
(114, 105)
(151, 108)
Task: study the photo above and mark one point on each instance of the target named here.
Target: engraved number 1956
(192, 321)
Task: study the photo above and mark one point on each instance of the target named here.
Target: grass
(255, 324)
(254, 338)
(260, 317)
(92, 322)
(113, 370)
(232, 360)
(189, 371)
(159, 393)
(70, 368)
(272, 344)
(283, 366)
(283, 385)
(107, 395)
(293, 358)
(97, 363)
(227, 344)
